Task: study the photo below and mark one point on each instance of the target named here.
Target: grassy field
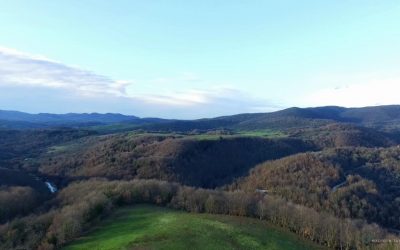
(253, 133)
(150, 227)
(113, 128)
(263, 133)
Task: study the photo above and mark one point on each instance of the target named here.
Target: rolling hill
(348, 182)
(383, 117)
(190, 161)
(150, 227)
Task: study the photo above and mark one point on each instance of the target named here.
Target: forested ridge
(343, 135)
(202, 163)
(348, 182)
(19, 145)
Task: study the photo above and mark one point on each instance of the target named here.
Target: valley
(339, 167)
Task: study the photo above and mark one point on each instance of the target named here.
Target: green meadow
(151, 227)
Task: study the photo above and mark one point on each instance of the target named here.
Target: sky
(194, 59)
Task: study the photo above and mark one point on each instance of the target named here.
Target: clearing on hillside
(150, 227)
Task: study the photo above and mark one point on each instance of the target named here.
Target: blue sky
(192, 59)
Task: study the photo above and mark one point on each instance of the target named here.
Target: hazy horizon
(174, 118)
(187, 60)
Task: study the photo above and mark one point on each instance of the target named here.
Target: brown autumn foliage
(345, 135)
(81, 204)
(347, 182)
(17, 200)
(202, 163)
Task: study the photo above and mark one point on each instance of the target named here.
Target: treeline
(201, 163)
(82, 204)
(347, 182)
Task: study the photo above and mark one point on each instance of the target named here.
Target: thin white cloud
(18, 68)
(192, 97)
(358, 90)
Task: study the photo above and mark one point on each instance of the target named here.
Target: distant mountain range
(387, 117)
(16, 119)
(60, 118)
